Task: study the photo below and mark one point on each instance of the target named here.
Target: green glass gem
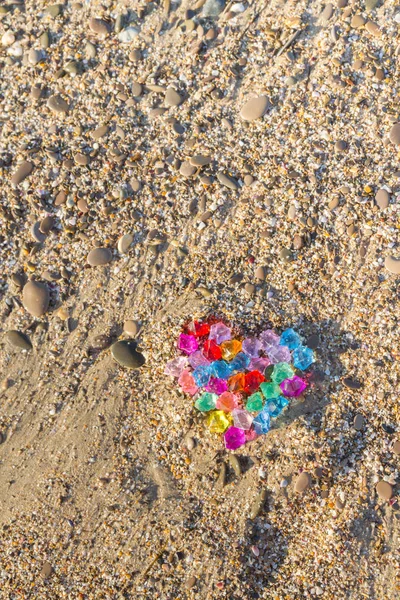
(282, 371)
(207, 401)
(254, 402)
(270, 390)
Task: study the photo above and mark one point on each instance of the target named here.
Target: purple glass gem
(176, 366)
(252, 347)
(220, 333)
(217, 386)
(234, 438)
(197, 358)
(187, 343)
(242, 419)
(279, 354)
(293, 387)
(269, 338)
(259, 364)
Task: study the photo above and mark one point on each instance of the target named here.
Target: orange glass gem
(230, 349)
(227, 402)
(237, 383)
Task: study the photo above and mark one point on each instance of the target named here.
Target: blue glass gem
(240, 362)
(262, 422)
(276, 405)
(290, 338)
(221, 369)
(303, 357)
(202, 375)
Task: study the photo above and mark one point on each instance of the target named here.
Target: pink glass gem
(279, 354)
(269, 338)
(293, 387)
(220, 333)
(187, 343)
(217, 386)
(251, 347)
(175, 367)
(187, 382)
(251, 435)
(242, 419)
(227, 402)
(258, 364)
(197, 358)
(234, 438)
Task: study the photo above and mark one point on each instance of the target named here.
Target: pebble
(126, 36)
(298, 242)
(340, 146)
(357, 21)
(392, 265)
(221, 480)
(19, 339)
(37, 235)
(172, 98)
(36, 92)
(212, 8)
(136, 89)
(396, 447)
(313, 341)
(382, 198)
(258, 503)
(45, 40)
(124, 243)
(24, 169)
(190, 443)
(261, 273)
(100, 132)
(394, 134)
(8, 38)
(57, 104)
(99, 26)
(36, 298)
(186, 169)
(35, 56)
(254, 108)
(352, 384)
(326, 13)
(81, 159)
(302, 482)
(227, 181)
(384, 490)
(358, 423)
(199, 160)
(285, 255)
(46, 570)
(373, 29)
(60, 199)
(235, 464)
(99, 256)
(125, 354)
(190, 583)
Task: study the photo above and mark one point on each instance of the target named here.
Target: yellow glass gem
(230, 349)
(218, 421)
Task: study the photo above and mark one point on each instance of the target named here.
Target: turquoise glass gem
(202, 375)
(254, 402)
(276, 405)
(221, 369)
(303, 357)
(206, 402)
(270, 390)
(281, 371)
(290, 338)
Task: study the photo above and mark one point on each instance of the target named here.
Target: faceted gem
(252, 347)
(251, 435)
(220, 333)
(270, 390)
(217, 386)
(290, 338)
(303, 357)
(276, 405)
(278, 354)
(176, 366)
(262, 422)
(221, 369)
(201, 329)
(206, 402)
(187, 382)
(201, 375)
(234, 438)
(218, 421)
(230, 349)
(293, 387)
(187, 343)
(227, 402)
(211, 350)
(242, 419)
(255, 402)
(269, 338)
(282, 371)
(252, 381)
(259, 364)
(237, 382)
(197, 358)
(240, 362)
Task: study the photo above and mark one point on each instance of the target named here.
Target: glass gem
(276, 405)
(220, 333)
(230, 349)
(240, 362)
(290, 338)
(251, 435)
(259, 364)
(187, 343)
(221, 369)
(252, 347)
(255, 402)
(201, 328)
(187, 382)
(293, 387)
(217, 386)
(206, 402)
(269, 339)
(237, 382)
(234, 438)
(202, 375)
(242, 419)
(262, 422)
(270, 390)
(218, 421)
(278, 354)
(303, 357)
(176, 366)
(227, 402)
(211, 350)
(252, 381)
(282, 371)
(197, 358)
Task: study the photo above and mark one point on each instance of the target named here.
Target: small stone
(131, 327)
(125, 242)
(326, 13)
(54, 10)
(100, 132)
(190, 583)
(352, 384)
(339, 504)
(285, 255)
(99, 26)
(227, 181)
(186, 169)
(212, 8)
(199, 160)
(235, 464)
(126, 36)
(61, 198)
(46, 570)
(90, 50)
(221, 481)
(258, 504)
(302, 482)
(8, 38)
(83, 205)
(24, 169)
(81, 159)
(125, 354)
(254, 108)
(373, 29)
(396, 447)
(37, 235)
(394, 134)
(36, 92)
(340, 146)
(298, 242)
(45, 40)
(136, 89)
(371, 4)
(357, 21)
(382, 198)
(384, 490)
(392, 265)
(358, 423)
(99, 256)
(57, 104)
(46, 225)
(313, 341)
(261, 273)
(35, 56)
(172, 98)
(190, 443)
(19, 339)
(36, 298)
(135, 55)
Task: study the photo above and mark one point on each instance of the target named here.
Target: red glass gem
(201, 329)
(211, 350)
(252, 381)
